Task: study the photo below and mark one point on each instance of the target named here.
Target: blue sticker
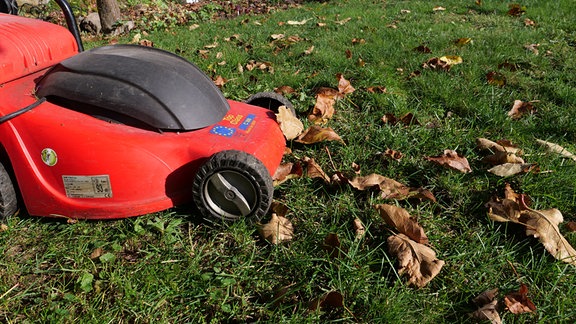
(246, 123)
(223, 131)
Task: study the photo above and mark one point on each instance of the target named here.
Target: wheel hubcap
(230, 194)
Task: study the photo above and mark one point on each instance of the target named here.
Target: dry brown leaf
(278, 230)
(401, 220)
(287, 171)
(332, 245)
(452, 160)
(323, 109)
(515, 9)
(423, 49)
(510, 169)
(502, 158)
(532, 48)
(389, 188)
(518, 302)
(316, 134)
(498, 146)
(309, 50)
(279, 208)
(220, 81)
(284, 90)
(408, 119)
(496, 78)
(359, 228)
(521, 108)
(343, 21)
(570, 226)
(96, 253)
(487, 304)
(297, 23)
(290, 125)
(344, 86)
(463, 41)
(392, 154)
(529, 22)
(377, 89)
(542, 224)
(416, 260)
(555, 148)
(313, 170)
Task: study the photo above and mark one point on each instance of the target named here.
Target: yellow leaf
(290, 125)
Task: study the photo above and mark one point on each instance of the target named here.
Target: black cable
(21, 111)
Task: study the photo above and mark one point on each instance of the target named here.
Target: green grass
(169, 267)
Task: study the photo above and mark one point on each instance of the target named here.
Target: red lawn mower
(124, 130)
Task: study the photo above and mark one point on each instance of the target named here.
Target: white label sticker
(87, 186)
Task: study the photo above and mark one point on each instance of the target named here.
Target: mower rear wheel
(9, 7)
(270, 100)
(232, 185)
(8, 201)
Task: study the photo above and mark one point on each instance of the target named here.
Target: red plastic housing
(71, 164)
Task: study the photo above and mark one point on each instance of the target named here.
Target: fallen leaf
(332, 245)
(316, 134)
(463, 41)
(496, 78)
(359, 228)
(408, 119)
(309, 50)
(323, 108)
(502, 158)
(96, 253)
(518, 302)
(529, 22)
(211, 46)
(284, 90)
(521, 108)
(220, 81)
(532, 48)
(442, 63)
(146, 42)
(555, 148)
(289, 124)
(277, 36)
(279, 208)
(487, 307)
(287, 171)
(515, 9)
(423, 49)
(278, 230)
(388, 188)
(451, 59)
(344, 86)
(498, 146)
(377, 89)
(313, 170)
(452, 160)
(416, 260)
(438, 8)
(510, 169)
(348, 53)
(542, 224)
(400, 219)
(343, 21)
(392, 154)
(570, 226)
(297, 23)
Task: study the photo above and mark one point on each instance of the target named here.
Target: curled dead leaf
(289, 124)
(287, 171)
(332, 245)
(416, 260)
(359, 228)
(521, 108)
(518, 302)
(278, 230)
(487, 307)
(452, 160)
(313, 170)
(400, 219)
(316, 134)
(555, 148)
(510, 169)
(344, 86)
(323, 108)
(496, 78)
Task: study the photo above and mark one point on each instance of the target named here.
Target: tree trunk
(109, 13)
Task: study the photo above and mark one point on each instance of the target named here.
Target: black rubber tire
(270, 100)
(8, 200)
(9, 7)
(245, 187)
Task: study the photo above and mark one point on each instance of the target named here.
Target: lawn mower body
(72, 157)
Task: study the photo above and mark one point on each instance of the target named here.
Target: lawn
(173, 267)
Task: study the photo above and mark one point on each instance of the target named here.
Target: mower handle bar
(71, 22)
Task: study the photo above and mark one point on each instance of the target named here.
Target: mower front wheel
(232, 185)
(8, 201)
